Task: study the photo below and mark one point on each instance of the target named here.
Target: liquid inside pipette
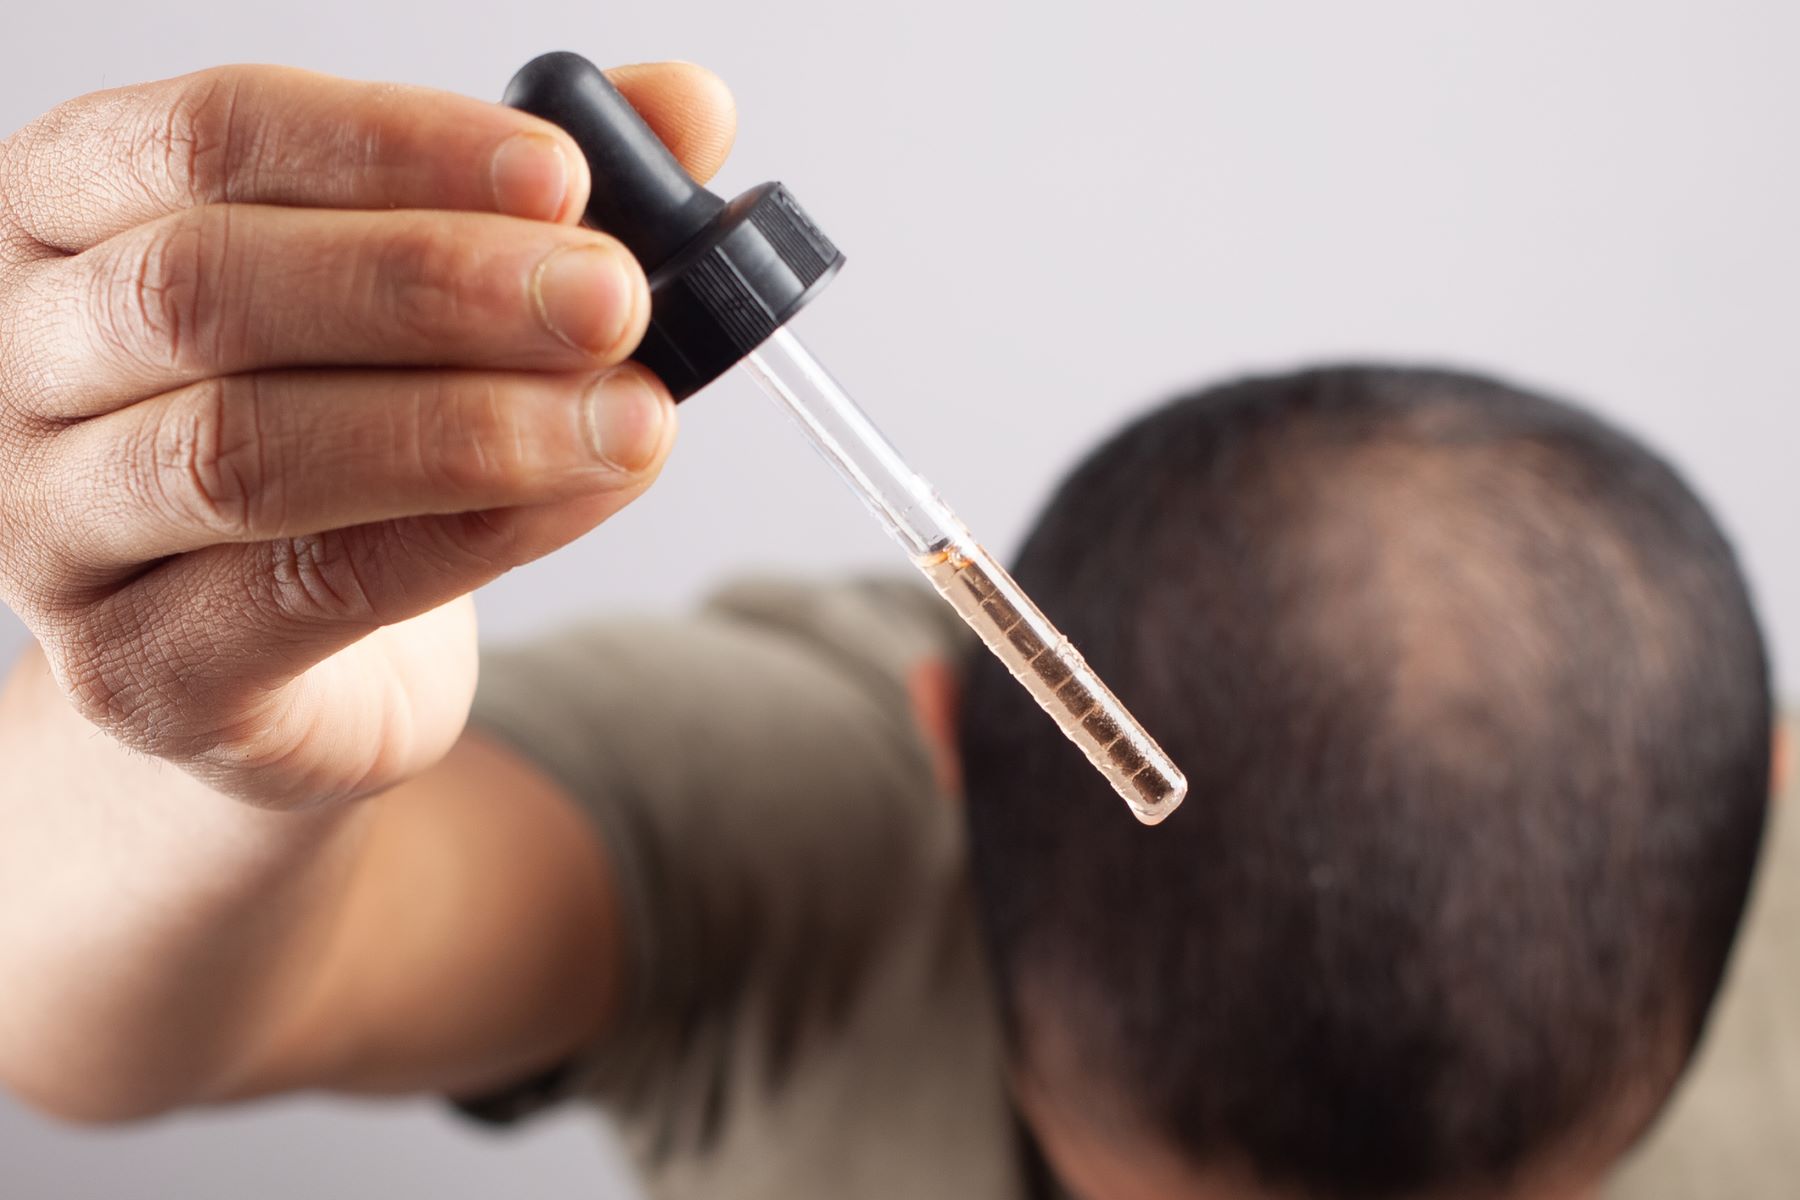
(1058, 678)
(1005, 619)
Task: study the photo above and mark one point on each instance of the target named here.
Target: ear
(1782, 773)
(935, 695)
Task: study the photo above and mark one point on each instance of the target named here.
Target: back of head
(1475, 713)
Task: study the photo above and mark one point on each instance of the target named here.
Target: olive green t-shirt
(810, 1014)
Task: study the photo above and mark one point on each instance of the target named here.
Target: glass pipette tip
(966, 575)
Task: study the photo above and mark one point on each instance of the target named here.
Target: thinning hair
(1475, 712)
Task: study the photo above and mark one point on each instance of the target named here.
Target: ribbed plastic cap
(723, 277)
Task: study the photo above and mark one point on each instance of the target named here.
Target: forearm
(358, 896)
(153, 934)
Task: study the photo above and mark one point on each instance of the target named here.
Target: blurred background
(1055, 216)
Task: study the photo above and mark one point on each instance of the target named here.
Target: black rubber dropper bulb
(723, 276)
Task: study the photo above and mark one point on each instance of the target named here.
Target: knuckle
(204, 462)
(463, 549)
(145, 692)
(13, 237)
(9, 166)
(33, 169)
(37, 318)
(35, 589)
(105, 681)
(317, 578)
(157, 303)
(193, 142)
(422, 276)
(470, 547)
(36, 563)
(92, 690)
(102, 696)
(487, 538)
(475, 439)
(174, 144)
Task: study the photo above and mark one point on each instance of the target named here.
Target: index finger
(109, 161)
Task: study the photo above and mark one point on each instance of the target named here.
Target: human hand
(288, 366)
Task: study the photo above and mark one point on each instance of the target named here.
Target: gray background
(1056, 214)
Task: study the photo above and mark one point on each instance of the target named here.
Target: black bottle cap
(723, 277)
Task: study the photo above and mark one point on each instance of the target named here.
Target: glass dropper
(1005, 619)
(725, 278)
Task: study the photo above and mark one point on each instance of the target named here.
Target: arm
(468, 926)
(244, 845)
(165, 946)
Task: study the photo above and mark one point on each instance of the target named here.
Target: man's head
(1475, 712)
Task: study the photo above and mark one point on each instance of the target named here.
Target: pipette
(725, 278)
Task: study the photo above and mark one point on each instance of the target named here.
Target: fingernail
(587, 295)
(530, 176)
(624, 417)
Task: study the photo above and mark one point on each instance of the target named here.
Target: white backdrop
(1056, 214)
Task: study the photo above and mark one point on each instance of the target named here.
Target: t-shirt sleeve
(767, 805)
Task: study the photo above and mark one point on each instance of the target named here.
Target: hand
(288, 366)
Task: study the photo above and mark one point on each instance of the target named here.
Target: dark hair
(1476, 717)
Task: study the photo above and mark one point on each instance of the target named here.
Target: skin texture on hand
(286, 361)
(288, 366)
